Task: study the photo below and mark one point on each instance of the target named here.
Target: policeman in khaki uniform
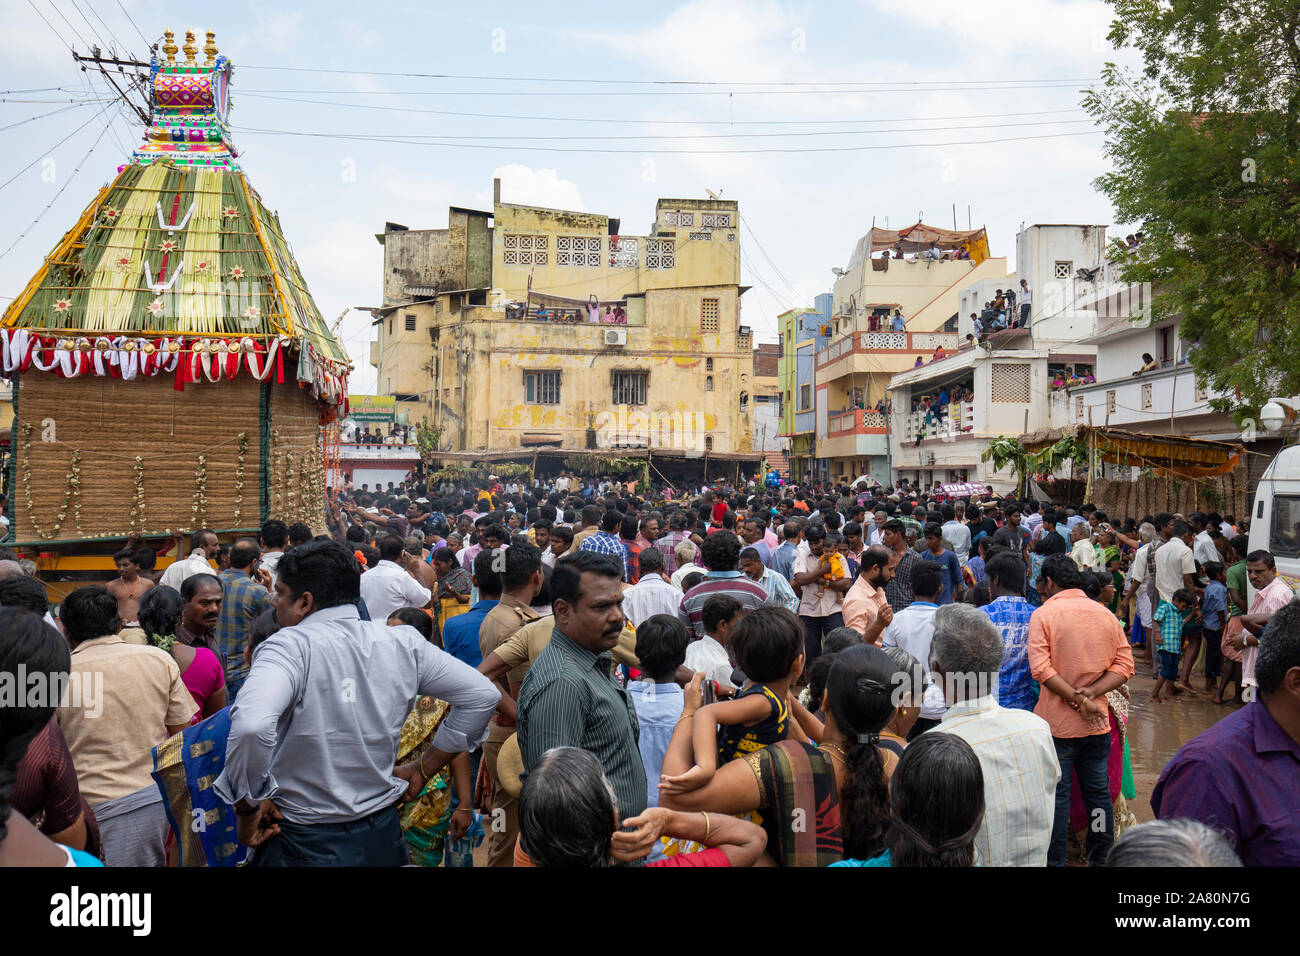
(520, 567)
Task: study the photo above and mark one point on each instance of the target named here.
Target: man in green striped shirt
(570, 698)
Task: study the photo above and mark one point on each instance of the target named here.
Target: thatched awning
(920, 237)
(1179, 455)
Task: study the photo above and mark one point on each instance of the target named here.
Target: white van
(1275, 515)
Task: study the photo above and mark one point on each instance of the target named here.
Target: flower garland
(199, 513)
(289, 493)
(307, 484)
(276, 464)
(72, 489)
(318, 480)
(239, 475)
(163, 641)
(137, 506)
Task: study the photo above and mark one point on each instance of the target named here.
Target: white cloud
(524, 186)
(279, 30)
(360, 36)
(342, 265)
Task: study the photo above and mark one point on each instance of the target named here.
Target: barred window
(708, 383)
(1010, 383)
(679, 218)
(1146, 397)
(1110, 401)
(709, 315)
(410, 321)
(1063, 270)
(630, 388)
(542, 388)
(716, 220)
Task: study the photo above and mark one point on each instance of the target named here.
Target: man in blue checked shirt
(605, 541)
(243, 599)
(1010, 613)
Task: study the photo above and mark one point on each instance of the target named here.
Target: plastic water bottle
(461, 852)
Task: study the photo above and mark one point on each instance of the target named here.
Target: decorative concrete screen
(1010, 383)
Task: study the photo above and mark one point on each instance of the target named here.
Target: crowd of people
(586, 671)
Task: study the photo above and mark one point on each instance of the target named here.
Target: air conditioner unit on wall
(616, 337)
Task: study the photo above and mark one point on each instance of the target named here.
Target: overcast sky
(973, 104)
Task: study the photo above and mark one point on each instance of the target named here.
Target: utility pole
(101, 61)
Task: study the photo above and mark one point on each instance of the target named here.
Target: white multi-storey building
(1011, 379)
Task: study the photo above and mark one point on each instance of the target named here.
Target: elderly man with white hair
(1014, 746)
(1143, 611)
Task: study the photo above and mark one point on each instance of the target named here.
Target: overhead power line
(61, 109)
(127, 14)
(654, 122)
(414, 141)
(680, 92)
(76, 32)
(67, 180)
(46, 152)
(627, 82)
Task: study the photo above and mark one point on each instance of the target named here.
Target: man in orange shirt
(866, 608)
(1078, 653)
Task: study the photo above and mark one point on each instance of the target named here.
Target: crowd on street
(589, 670)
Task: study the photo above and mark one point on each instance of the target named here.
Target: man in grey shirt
(570, 698)
(314, 735)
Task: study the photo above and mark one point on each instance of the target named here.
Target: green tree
(1205, 143)
(1008, 452)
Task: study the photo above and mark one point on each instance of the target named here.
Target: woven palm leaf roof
(179, 243)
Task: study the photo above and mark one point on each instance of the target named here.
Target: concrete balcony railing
(856, 422)
(922, 342)
(957, 420)
(359, 452)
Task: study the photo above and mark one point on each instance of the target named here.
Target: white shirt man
(387, 586)
(679, 576)
(957, 537)
(912, 629)
(877, 529)
(709, 656)
(1137, 572)
(1084, 554)
(1021, 771)
(1014, 747)
(178, 571)
(1203, 548)
(650, 596)
(1173, 560)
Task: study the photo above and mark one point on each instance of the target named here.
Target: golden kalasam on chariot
(170, 370)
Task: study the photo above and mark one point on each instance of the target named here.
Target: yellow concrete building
(572, 336)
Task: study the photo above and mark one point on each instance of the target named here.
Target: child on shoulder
(768, 644)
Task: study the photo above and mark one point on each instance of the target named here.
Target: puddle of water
(1157, 731)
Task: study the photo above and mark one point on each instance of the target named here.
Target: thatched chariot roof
(176, 266)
